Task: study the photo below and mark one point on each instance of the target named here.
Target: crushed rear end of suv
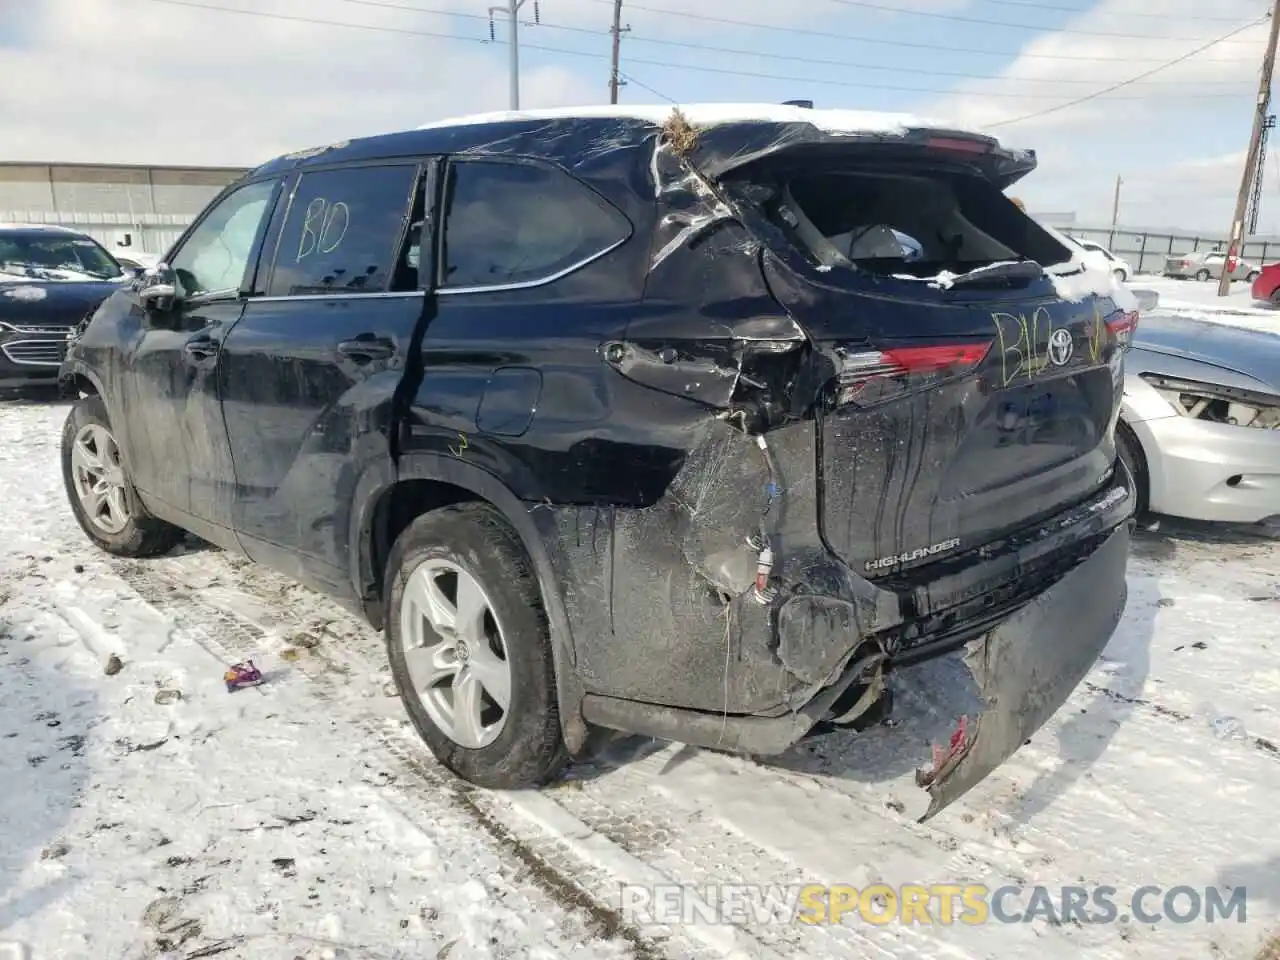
(700, 424)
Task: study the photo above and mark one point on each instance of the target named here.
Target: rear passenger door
(532, 278)
(306, 374)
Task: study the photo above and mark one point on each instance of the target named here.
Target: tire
(123, 527)
(1202, 275)
(1130, 451)
(516, 748)
(1253, 275)
(1120, 275)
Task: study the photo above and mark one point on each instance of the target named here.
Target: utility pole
(615, 78)
(1115, 212)
(512, 11)
(1251, 159)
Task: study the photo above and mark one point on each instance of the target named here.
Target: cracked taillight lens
(872, 376)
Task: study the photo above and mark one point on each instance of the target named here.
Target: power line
(697, 68)
(886, 42)
(1124, 83)
(957, 18)
(713, 48)
(1056, 8)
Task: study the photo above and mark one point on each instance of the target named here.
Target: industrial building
(122, 206)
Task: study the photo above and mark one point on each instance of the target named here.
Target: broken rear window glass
(522, 223)
(918, 223)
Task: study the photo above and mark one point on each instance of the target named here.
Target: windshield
(919, 222)
(54, 258)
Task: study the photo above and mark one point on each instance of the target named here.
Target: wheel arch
(430, 481)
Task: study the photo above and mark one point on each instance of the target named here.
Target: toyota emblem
(1061, 346)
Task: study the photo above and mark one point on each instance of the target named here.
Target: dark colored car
(643, 420)
(51, 278)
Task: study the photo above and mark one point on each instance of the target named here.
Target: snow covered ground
(149, 813)
(1192, 298)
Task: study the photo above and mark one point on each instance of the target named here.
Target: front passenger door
(180, 455)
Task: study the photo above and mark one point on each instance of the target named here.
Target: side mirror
(156, 288)
(1148, 300)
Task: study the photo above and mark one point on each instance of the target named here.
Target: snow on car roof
(710, 114)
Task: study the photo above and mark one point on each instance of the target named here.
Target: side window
(520, 223)
(215, 255)
(343, 233)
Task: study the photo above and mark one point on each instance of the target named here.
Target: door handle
(366, 348)
(201, 348)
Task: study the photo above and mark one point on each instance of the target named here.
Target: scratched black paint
(610, 415)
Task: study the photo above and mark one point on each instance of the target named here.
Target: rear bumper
(31, 358)
(1211, 471)
(1024, 668)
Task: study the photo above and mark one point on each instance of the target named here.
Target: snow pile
(27, 294)
(846, 122)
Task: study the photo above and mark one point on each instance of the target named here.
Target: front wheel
(1253, 275)
(470, 648)
(101, 494)
(1120, 275)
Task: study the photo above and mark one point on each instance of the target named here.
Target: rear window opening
(914, 223)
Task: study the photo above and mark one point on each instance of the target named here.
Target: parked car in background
(1200, 423)
(1266, 285)
(1104, 259)
(569, 400)
(135, 261)
(50, 279)
(1207, 265)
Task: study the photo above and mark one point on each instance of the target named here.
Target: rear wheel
(470, 649)
(1130, 451)
(1253, 275)
(1202, 275)
(102, 496)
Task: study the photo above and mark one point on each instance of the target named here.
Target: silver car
(1206, 265)
(1200, 423)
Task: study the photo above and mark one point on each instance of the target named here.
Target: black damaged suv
(697, 424)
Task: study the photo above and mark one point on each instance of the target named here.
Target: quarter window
(215, 255)
(509, 223)
(344, 231)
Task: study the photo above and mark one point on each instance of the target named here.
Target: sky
(193, 81)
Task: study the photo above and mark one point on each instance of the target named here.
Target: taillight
(1121, 327)
(872, 376)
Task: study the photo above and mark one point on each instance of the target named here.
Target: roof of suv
(572, 132)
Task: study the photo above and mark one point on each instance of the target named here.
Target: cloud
(143, 81)
(1154, 133)
(158, 83)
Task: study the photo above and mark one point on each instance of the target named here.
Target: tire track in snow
(613, 820)
(547, 861)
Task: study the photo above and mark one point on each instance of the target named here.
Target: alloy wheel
(99, 478)
(455, 653)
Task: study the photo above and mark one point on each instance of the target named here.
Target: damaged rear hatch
(971, 392)
(970, 395)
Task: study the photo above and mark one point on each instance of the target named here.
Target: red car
(1266, 285)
